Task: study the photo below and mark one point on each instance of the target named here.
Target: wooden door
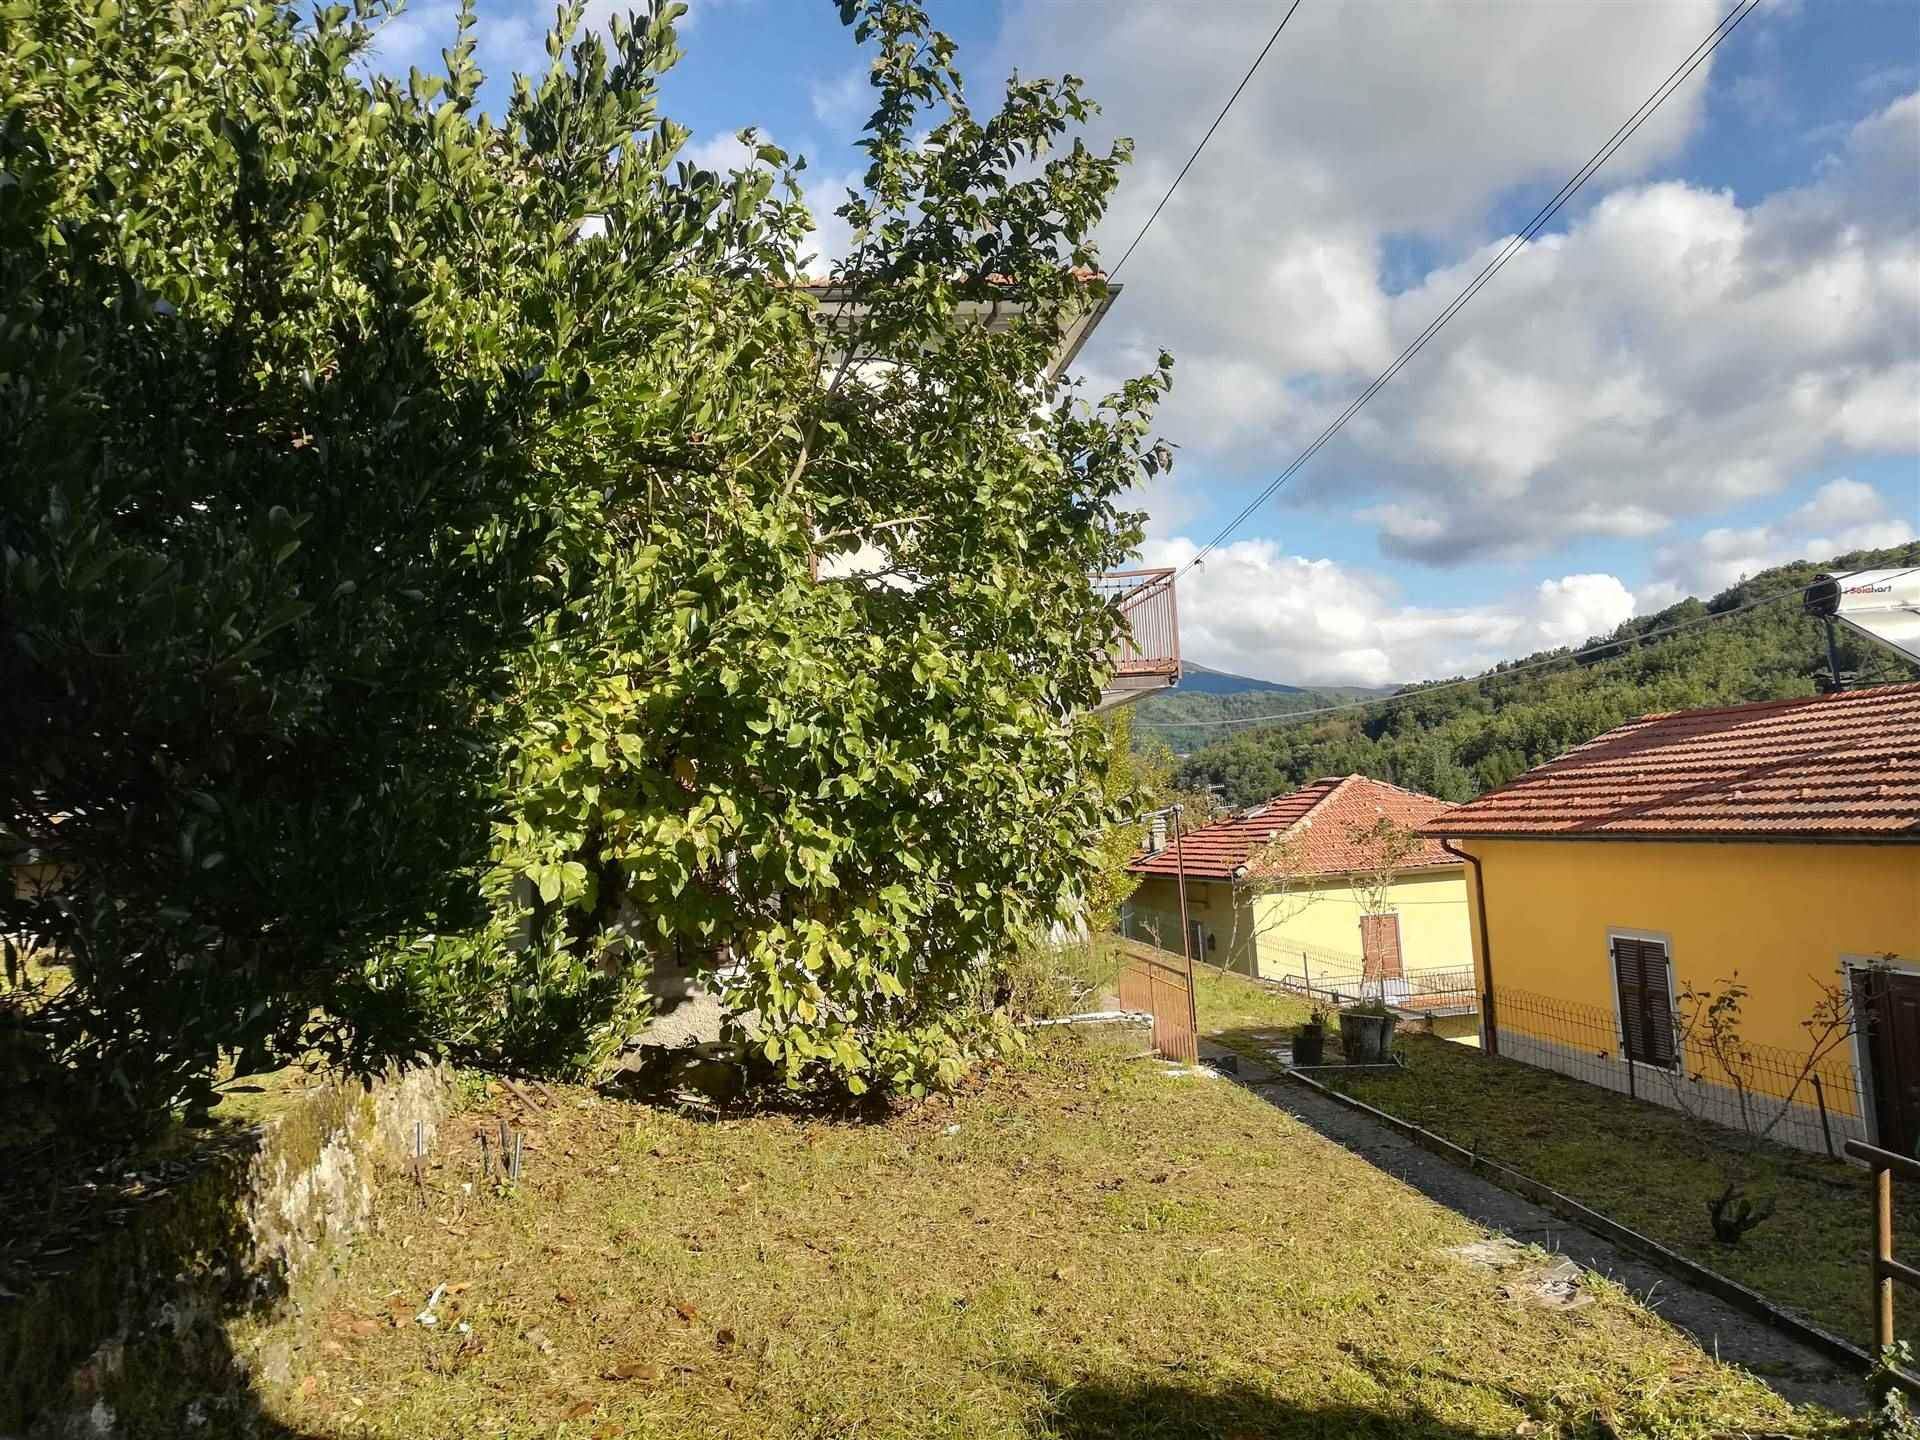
(1380, 947)
(1890, 1005)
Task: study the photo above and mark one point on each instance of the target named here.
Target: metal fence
(1418, 993)
(1145, 600)
(1154, 982)
(1764, 1091)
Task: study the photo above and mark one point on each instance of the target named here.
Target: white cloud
(831, 239)
(1843, 515)
(1673, 351)
(842, 102)
(1255, 610)
(509, 40)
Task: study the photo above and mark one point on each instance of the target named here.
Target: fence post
(1820, 1096)
(1882, 1254)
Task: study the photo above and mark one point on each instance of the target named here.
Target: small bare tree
(1269, 892)
(1385, 846)
(1709, 1030)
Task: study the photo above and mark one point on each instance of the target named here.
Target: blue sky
(1710, 363)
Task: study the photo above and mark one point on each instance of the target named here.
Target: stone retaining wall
(145, 1317)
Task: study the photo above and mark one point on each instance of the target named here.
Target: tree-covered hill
(1458, 742)
(1160, 715)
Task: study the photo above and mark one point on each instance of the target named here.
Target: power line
(1513, 246)
(1521, 668)
(1114, 273)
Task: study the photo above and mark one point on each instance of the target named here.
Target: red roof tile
(1324, 815)
(1826, 767)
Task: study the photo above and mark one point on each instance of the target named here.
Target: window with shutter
(1646, 1008)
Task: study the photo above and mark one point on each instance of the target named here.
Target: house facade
(1769, 853)
(1311, 890)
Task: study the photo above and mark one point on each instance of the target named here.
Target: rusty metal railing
(1145, 600)
(1886, 1269)
(1154, 982)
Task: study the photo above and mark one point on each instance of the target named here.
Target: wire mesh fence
(1767, 1092)
(1428, 991)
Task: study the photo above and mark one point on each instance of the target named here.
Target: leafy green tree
(302, 441)
(843, 794)
(1136, 780)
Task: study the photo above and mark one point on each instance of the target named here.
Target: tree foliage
(1460, 742)
(838, 791)
(411, 526)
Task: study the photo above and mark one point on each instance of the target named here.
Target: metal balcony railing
(1148, 655)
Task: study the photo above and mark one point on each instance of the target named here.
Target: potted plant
(1366, 1032)
(1310, 1040)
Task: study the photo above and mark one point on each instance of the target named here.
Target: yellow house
(1622, 888)
(1329, 887)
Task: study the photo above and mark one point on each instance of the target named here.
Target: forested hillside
(1458, 742)
(1158, 714)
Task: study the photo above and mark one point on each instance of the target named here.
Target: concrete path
(1796, 1372)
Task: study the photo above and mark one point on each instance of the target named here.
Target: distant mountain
(1468, 738)
(1204, 680)
(1206, 696)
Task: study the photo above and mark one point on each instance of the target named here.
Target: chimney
(1157, 835)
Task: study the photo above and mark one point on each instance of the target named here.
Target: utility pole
(1186, 930)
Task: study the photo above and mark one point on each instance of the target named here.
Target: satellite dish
(1883, 605)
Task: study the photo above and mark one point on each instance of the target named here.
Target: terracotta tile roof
(1323, 815)
(1825, 767)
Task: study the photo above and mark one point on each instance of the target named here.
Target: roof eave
(1746, 837)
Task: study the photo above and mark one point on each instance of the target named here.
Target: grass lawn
(1655, 1170)
(1226, 1003)
(1079, 1246)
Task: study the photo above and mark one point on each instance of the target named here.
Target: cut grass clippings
(1245, 1016)
(1079, 1246)
(1655, 1170)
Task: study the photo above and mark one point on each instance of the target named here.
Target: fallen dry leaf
(538, 1338)
(578, 1410)
(723, 1338)
(565, 1297)
(687, 1313)
(633, 1370)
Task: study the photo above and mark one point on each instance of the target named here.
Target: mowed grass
(1655, 1170)
(1226, 1003)
(1079, 1246)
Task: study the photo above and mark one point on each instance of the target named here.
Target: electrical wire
(1513, 246)
(1114, 273)
(1280, 716)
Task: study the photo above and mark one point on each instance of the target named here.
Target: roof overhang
(1725, 837)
